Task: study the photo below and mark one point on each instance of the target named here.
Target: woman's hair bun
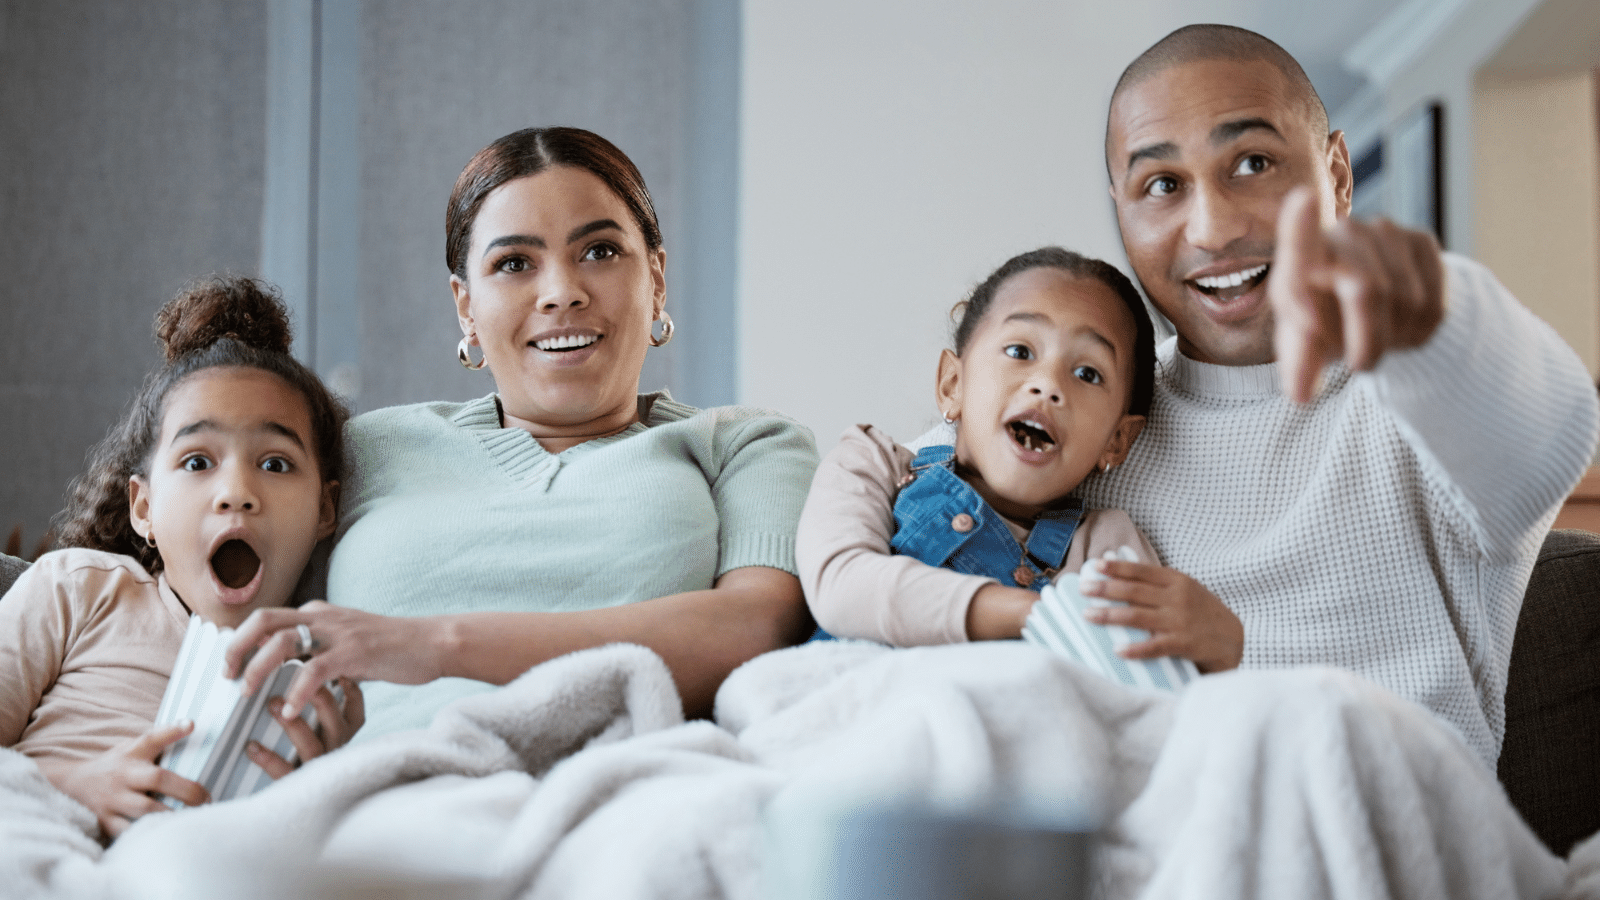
(245, 309)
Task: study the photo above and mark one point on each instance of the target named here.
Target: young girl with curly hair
(208, 497)
(1048, 385)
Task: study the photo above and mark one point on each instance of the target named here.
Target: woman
(565, 510)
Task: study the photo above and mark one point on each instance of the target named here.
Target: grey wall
(130, 160)
(135, 148)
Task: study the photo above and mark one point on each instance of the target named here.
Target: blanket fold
(581, 779)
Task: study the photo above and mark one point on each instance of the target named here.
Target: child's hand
(335, 723)
(117, 785)
(997, 612)
(1183, 618)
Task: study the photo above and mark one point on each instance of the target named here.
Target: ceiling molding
(1400, 38)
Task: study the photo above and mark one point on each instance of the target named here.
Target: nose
(1046, 387)
(562, 289)
(1215, 220)
(236, 490)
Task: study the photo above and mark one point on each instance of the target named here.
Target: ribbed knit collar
(1184, 375)
(1189, 376)
(521, 456)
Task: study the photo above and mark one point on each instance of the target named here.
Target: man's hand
(1357, 290)
(118, 785)
(1183, 618)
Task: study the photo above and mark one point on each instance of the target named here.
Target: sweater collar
(483, 415)
(1185, 375)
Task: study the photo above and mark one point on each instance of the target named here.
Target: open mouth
(566, 343)
(235, 563)
(1030, 435)
(1232, 285)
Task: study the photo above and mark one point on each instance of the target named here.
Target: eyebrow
(1229, 131)
(1036, 318)
(209, 425)
(1221, 134)
(528, 240)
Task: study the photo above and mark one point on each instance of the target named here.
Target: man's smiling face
(1201, 155)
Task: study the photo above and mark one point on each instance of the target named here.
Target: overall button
(962, 523)
(1023, 576)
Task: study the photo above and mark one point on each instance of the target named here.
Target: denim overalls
(940, 520)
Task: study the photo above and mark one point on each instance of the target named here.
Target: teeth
(1217, 282)
(569, 342)
(1031, 435)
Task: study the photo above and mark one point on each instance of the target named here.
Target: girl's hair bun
(245, 309)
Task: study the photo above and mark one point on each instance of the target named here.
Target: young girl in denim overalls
(1050, 381)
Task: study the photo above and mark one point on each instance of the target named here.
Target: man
(1357, 442)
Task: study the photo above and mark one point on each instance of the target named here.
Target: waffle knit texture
(1389, 526)
(447, 512)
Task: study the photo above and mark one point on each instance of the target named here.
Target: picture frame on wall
(1416, 181)
(1401, 175)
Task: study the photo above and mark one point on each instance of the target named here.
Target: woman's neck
(556, 438)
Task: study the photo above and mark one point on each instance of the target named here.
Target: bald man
(1357, 442)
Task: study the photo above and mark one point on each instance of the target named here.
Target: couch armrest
(1550, 761)
(10, 568)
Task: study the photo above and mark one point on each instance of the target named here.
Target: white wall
(889, 162)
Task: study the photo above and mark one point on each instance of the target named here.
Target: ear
(328, 511)
(139, 505)
(1120, 444)
(1344, 181)
(947, 389)
(458, 288)
(658, 278)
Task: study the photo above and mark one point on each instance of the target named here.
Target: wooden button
(962, 523)
(1023, 576)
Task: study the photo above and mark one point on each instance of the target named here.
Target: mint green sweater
(447, 512)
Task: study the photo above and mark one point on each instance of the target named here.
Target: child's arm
(117, 786)
(853, 584)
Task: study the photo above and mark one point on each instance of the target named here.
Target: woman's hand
(118, 785)
(347, 644)
(1183, 618)
(998, 612)
(336, 724)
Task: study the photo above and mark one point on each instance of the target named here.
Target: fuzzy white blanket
(581, 779)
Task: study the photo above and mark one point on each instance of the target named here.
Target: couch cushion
(1550, 762)
(10, 568)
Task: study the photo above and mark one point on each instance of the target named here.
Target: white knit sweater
(1389, 526)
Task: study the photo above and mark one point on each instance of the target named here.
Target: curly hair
(221, 321)
(969, 312)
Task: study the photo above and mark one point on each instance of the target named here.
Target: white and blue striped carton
(224, 719)
(1057, 624)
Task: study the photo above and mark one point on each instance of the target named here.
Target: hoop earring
(150, 540)
(666, 331)
(464, 353)
(947, 419)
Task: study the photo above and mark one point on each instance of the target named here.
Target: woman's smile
(560, 292)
